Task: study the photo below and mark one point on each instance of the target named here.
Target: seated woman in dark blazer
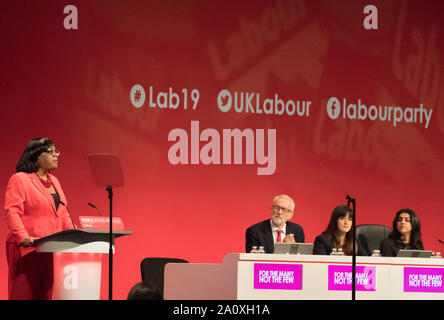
(338, 234)
(406, 234)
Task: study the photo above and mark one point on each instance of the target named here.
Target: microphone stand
(353, 202)
(93, 206)
(111, 242)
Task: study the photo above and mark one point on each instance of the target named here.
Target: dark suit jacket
(323, 246)
(390, 247)
(260, 234)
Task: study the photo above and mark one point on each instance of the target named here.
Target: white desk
(244, 276)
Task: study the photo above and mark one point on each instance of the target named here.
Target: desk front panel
(265, 276)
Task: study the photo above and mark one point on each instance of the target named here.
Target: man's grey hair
(284, 196)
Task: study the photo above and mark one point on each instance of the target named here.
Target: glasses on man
(277, 208)
(54, 153)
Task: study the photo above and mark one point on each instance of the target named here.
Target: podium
(78, 261)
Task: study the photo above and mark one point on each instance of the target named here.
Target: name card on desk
(423, 279)
(340, 278)
(278, 276)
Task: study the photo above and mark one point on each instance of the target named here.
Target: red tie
(279, 235)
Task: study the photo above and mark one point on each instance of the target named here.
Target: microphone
(69, 214)
(93, 206)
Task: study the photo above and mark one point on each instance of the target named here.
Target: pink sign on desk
(100, 223)
(278, 276)
(423, 279)
(340, 278)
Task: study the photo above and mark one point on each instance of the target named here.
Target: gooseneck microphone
(93, 206)
(69, 214)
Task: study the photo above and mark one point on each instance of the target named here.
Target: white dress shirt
(274, 230)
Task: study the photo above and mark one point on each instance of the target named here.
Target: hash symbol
(137, 96)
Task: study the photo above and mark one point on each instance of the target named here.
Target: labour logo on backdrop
(137, 96)
(361, 110)
(224, 100)
(333, 108)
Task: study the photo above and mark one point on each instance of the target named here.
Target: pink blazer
(30, 209)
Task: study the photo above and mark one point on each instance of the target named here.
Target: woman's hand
(28, 242)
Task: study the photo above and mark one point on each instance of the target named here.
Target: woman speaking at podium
(35, 207)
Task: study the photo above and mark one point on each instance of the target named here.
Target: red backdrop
(74, 86)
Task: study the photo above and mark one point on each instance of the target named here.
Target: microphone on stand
(351, 201)
(93, 206)
(69, 214)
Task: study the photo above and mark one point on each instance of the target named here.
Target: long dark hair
(415, 235)
(28, 162)
(332, 228)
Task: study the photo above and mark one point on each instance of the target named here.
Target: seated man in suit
(276, 229)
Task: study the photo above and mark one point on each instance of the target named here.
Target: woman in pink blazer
(35, 207)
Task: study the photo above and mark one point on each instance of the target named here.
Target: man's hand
(289, 238)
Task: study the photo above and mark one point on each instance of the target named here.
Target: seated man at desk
(276, 229)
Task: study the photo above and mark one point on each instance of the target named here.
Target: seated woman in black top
(406, 234)
(337, 234)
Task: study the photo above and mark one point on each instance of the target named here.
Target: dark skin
(47, 161)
